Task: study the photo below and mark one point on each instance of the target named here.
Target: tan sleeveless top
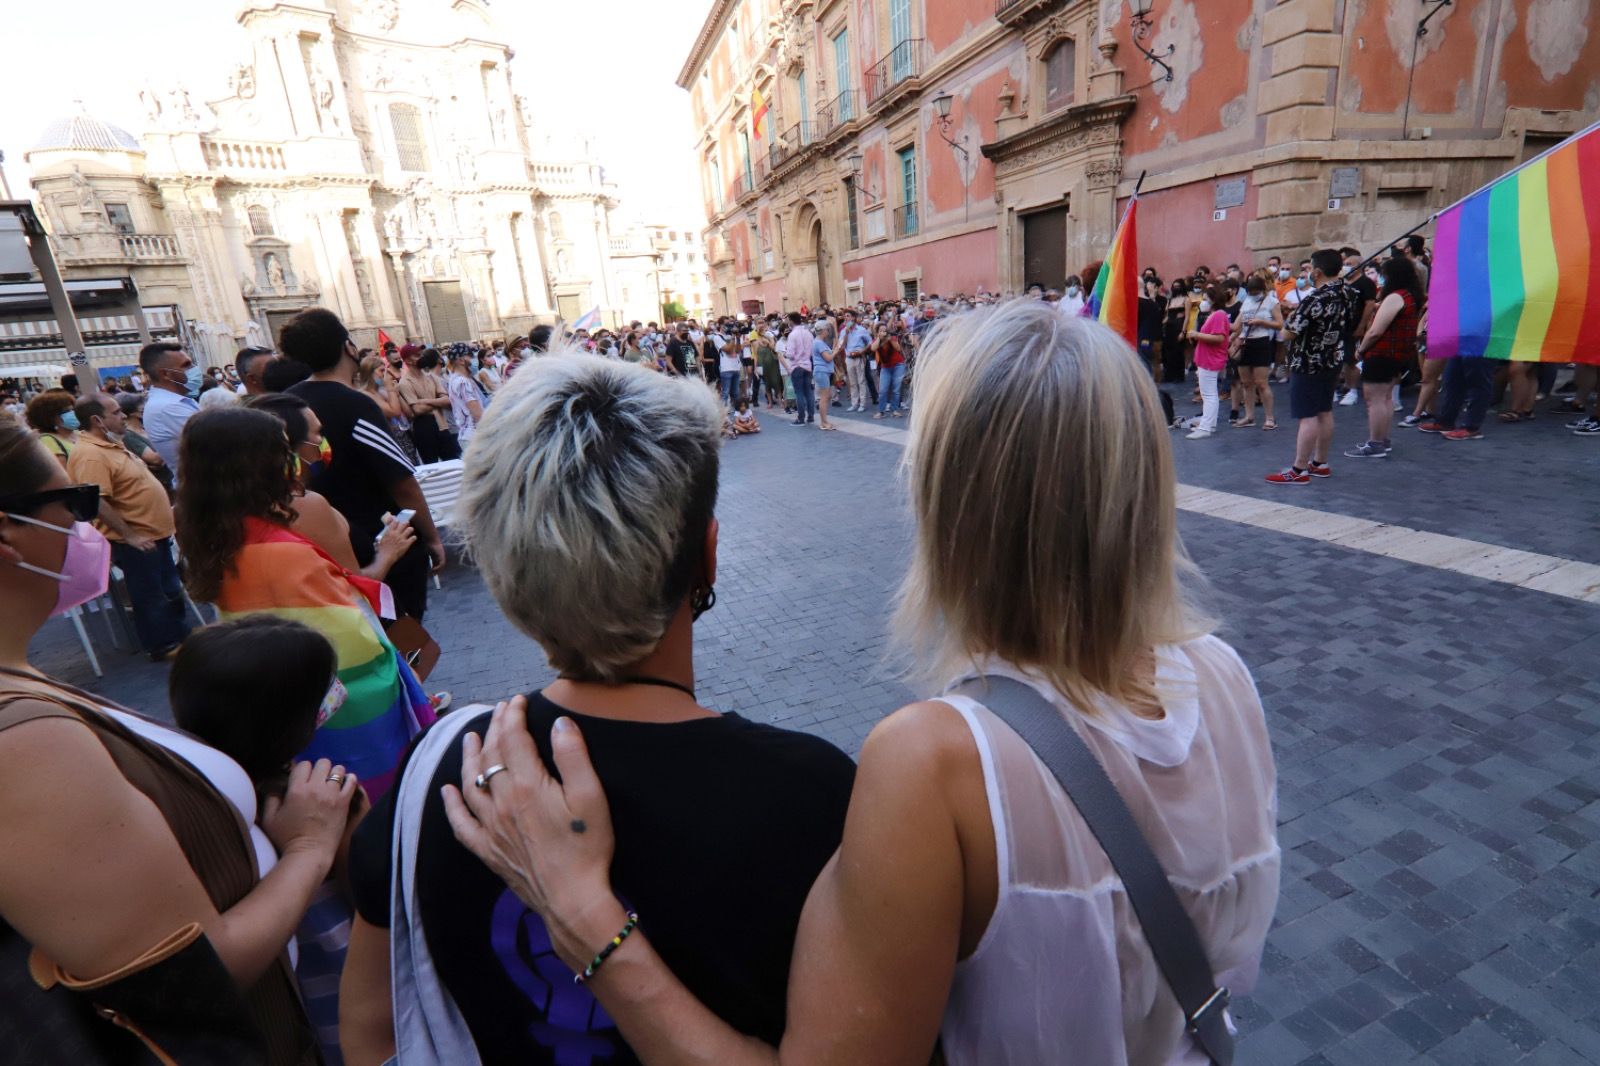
(210, 831)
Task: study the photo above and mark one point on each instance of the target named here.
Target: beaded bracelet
(605, 953)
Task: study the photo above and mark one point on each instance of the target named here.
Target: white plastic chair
(441, 485)
(76, 615)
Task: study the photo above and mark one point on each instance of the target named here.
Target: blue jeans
(805, 397)
(155, 592)
(730, 387)
(1469, 382)
(890, 379)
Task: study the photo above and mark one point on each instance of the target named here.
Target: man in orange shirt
(136, 517)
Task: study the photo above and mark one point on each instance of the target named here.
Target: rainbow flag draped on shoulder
(279, 572)
(1516, 265)
(1115, 299)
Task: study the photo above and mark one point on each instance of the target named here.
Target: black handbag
(175, 1005)
(1167, 927)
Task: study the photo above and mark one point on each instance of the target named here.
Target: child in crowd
(744, 420)
(256, 688)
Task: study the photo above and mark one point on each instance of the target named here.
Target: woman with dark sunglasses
(154, 915)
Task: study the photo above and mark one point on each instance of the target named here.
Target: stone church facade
(370, 156)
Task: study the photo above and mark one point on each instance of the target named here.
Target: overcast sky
(603, 68)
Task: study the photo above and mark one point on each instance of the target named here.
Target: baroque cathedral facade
(370, 156)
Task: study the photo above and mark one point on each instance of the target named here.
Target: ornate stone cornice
(703, 41)
(1096, 122)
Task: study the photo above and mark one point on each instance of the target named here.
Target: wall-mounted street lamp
(854, 161)
(941, 108)
(1139, 22)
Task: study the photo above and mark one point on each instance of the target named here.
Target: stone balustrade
(243, 155)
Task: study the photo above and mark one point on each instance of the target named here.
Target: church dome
(82, 132)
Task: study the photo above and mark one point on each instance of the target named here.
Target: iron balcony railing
(905, 61)
(798, 136)
(840, 111)
(905, 220)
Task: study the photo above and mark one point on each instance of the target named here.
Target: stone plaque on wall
(1230, 193)
(1346, 183)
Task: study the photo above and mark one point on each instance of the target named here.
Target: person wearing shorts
(1257, 326)
(1318, 332)
(1387, 350)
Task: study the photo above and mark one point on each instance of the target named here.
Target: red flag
(383, 340)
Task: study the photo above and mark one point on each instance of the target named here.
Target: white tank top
(1063, 972)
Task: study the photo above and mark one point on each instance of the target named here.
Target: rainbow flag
(282, 573)
(1516, 265)
(1115, 299)
(589, 320)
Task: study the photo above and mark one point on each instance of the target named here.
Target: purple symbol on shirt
(570, 1023)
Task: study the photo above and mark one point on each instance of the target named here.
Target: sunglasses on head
(82, 501)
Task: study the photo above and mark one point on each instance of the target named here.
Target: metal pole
(45, 263)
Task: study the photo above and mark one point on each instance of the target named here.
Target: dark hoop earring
(702, 600)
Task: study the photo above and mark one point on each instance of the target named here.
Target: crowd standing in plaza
(330, 867)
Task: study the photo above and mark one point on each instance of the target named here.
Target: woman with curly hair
(236, 517)
(50, 415)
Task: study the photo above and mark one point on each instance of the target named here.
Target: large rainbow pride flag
(279, 572)
(1115, 299)
(1516, 265)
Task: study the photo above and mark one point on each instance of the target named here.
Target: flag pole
(1519, 168)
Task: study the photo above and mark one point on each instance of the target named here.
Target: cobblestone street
(1437, 727)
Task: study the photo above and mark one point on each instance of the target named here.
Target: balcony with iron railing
(905, 221)
(116, 249)
(838, 113)
(1017, 12)
(896, 74)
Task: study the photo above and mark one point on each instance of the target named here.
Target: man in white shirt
(1073, 299)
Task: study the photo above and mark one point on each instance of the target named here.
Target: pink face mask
(85, 569)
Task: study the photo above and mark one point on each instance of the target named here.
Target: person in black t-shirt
(604, 555)
(679, 351)
(367, 474)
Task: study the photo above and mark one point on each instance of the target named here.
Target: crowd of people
(318, 863)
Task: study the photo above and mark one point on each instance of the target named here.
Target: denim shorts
(1311, 394)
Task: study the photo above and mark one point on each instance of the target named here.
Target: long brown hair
(236, 464)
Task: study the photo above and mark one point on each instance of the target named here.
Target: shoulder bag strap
(1167, 926)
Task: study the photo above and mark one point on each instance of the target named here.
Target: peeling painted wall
(1209, 91)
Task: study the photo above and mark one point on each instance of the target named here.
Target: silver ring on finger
(483, 779)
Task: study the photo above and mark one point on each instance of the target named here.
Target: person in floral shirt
(1318, 333)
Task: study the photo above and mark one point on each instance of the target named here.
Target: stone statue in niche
(152, 104)
(242, 82)
(88, 200)
(322, 92)
(275, 277)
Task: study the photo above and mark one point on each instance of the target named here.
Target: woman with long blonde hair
(969, 905)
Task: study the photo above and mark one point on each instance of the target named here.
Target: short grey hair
(585, 497)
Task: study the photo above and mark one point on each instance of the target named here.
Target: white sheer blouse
(1063, 973)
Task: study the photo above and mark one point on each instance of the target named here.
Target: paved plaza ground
(1437, 729)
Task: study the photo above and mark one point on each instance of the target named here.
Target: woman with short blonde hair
(969, 903)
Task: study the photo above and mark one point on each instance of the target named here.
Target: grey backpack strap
(1167, 927)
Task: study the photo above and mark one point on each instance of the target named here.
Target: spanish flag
(758, 115)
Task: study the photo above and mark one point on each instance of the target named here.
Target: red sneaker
(1464, 434)
(1317, 469)
(1290, 476)
(1434, 427)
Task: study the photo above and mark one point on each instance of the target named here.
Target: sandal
(1515, 416)
(1269, 424)
(1245, 424)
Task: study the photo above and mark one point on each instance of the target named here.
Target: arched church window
(408, 142)
(558, 226)
(260, 221)
(1060, 74)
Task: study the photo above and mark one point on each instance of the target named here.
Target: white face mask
(1205, 306)
(1283, 275)
(1072, 290)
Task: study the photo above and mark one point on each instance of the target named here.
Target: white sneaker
(1350, 399)
(1199, 434)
